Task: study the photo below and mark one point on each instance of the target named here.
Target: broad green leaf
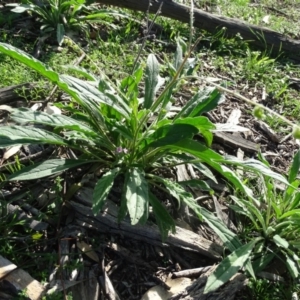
(229, 267)
(164, 221)
(294, 170)
(88, 91)
(151, 80)
(26, 115)
(202, 102)
(102, 189)
(171, 134)
(122, 129)
(137, 195)
(60, 33)
(46, 168)
(78, 89)
(20, 135)
(202, 124)
(29, 60)
(280, 242)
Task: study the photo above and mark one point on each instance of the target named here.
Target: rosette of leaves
(61, 16)
(131, 137)
(122, 134)
(274, 222)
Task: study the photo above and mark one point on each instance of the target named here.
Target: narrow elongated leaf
(164, 221)
(213, 159)
(83, 72)
(262, 261)
(290, 213)
(203, 101)
(29, 60)
(175, 189)
(203, 169)
(293, 173)
(229, 267)
(293, 268)
(84, 93)
(26, 115)
(60, 33)
(256, 166)
(229, 238)
(151, 80)
(22, 8)
(102, 189)
(88, 91)
(252, 212)
(47, 168)
(178, 56)
(19, 135)
(137, 195)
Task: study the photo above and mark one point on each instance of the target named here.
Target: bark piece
(107, 222)
(18, 280)
(226, 292)
(9, 94)
(235, 142)
(259, 36)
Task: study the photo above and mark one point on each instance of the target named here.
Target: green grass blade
(47, 168)
(293, 173)
(102, 189)
(137, 195)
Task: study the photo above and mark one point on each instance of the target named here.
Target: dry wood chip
(87, 250)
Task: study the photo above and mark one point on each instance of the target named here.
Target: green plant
(275, 222)
(61, 16)
(125, 136)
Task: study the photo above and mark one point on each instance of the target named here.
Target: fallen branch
(259, 36)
